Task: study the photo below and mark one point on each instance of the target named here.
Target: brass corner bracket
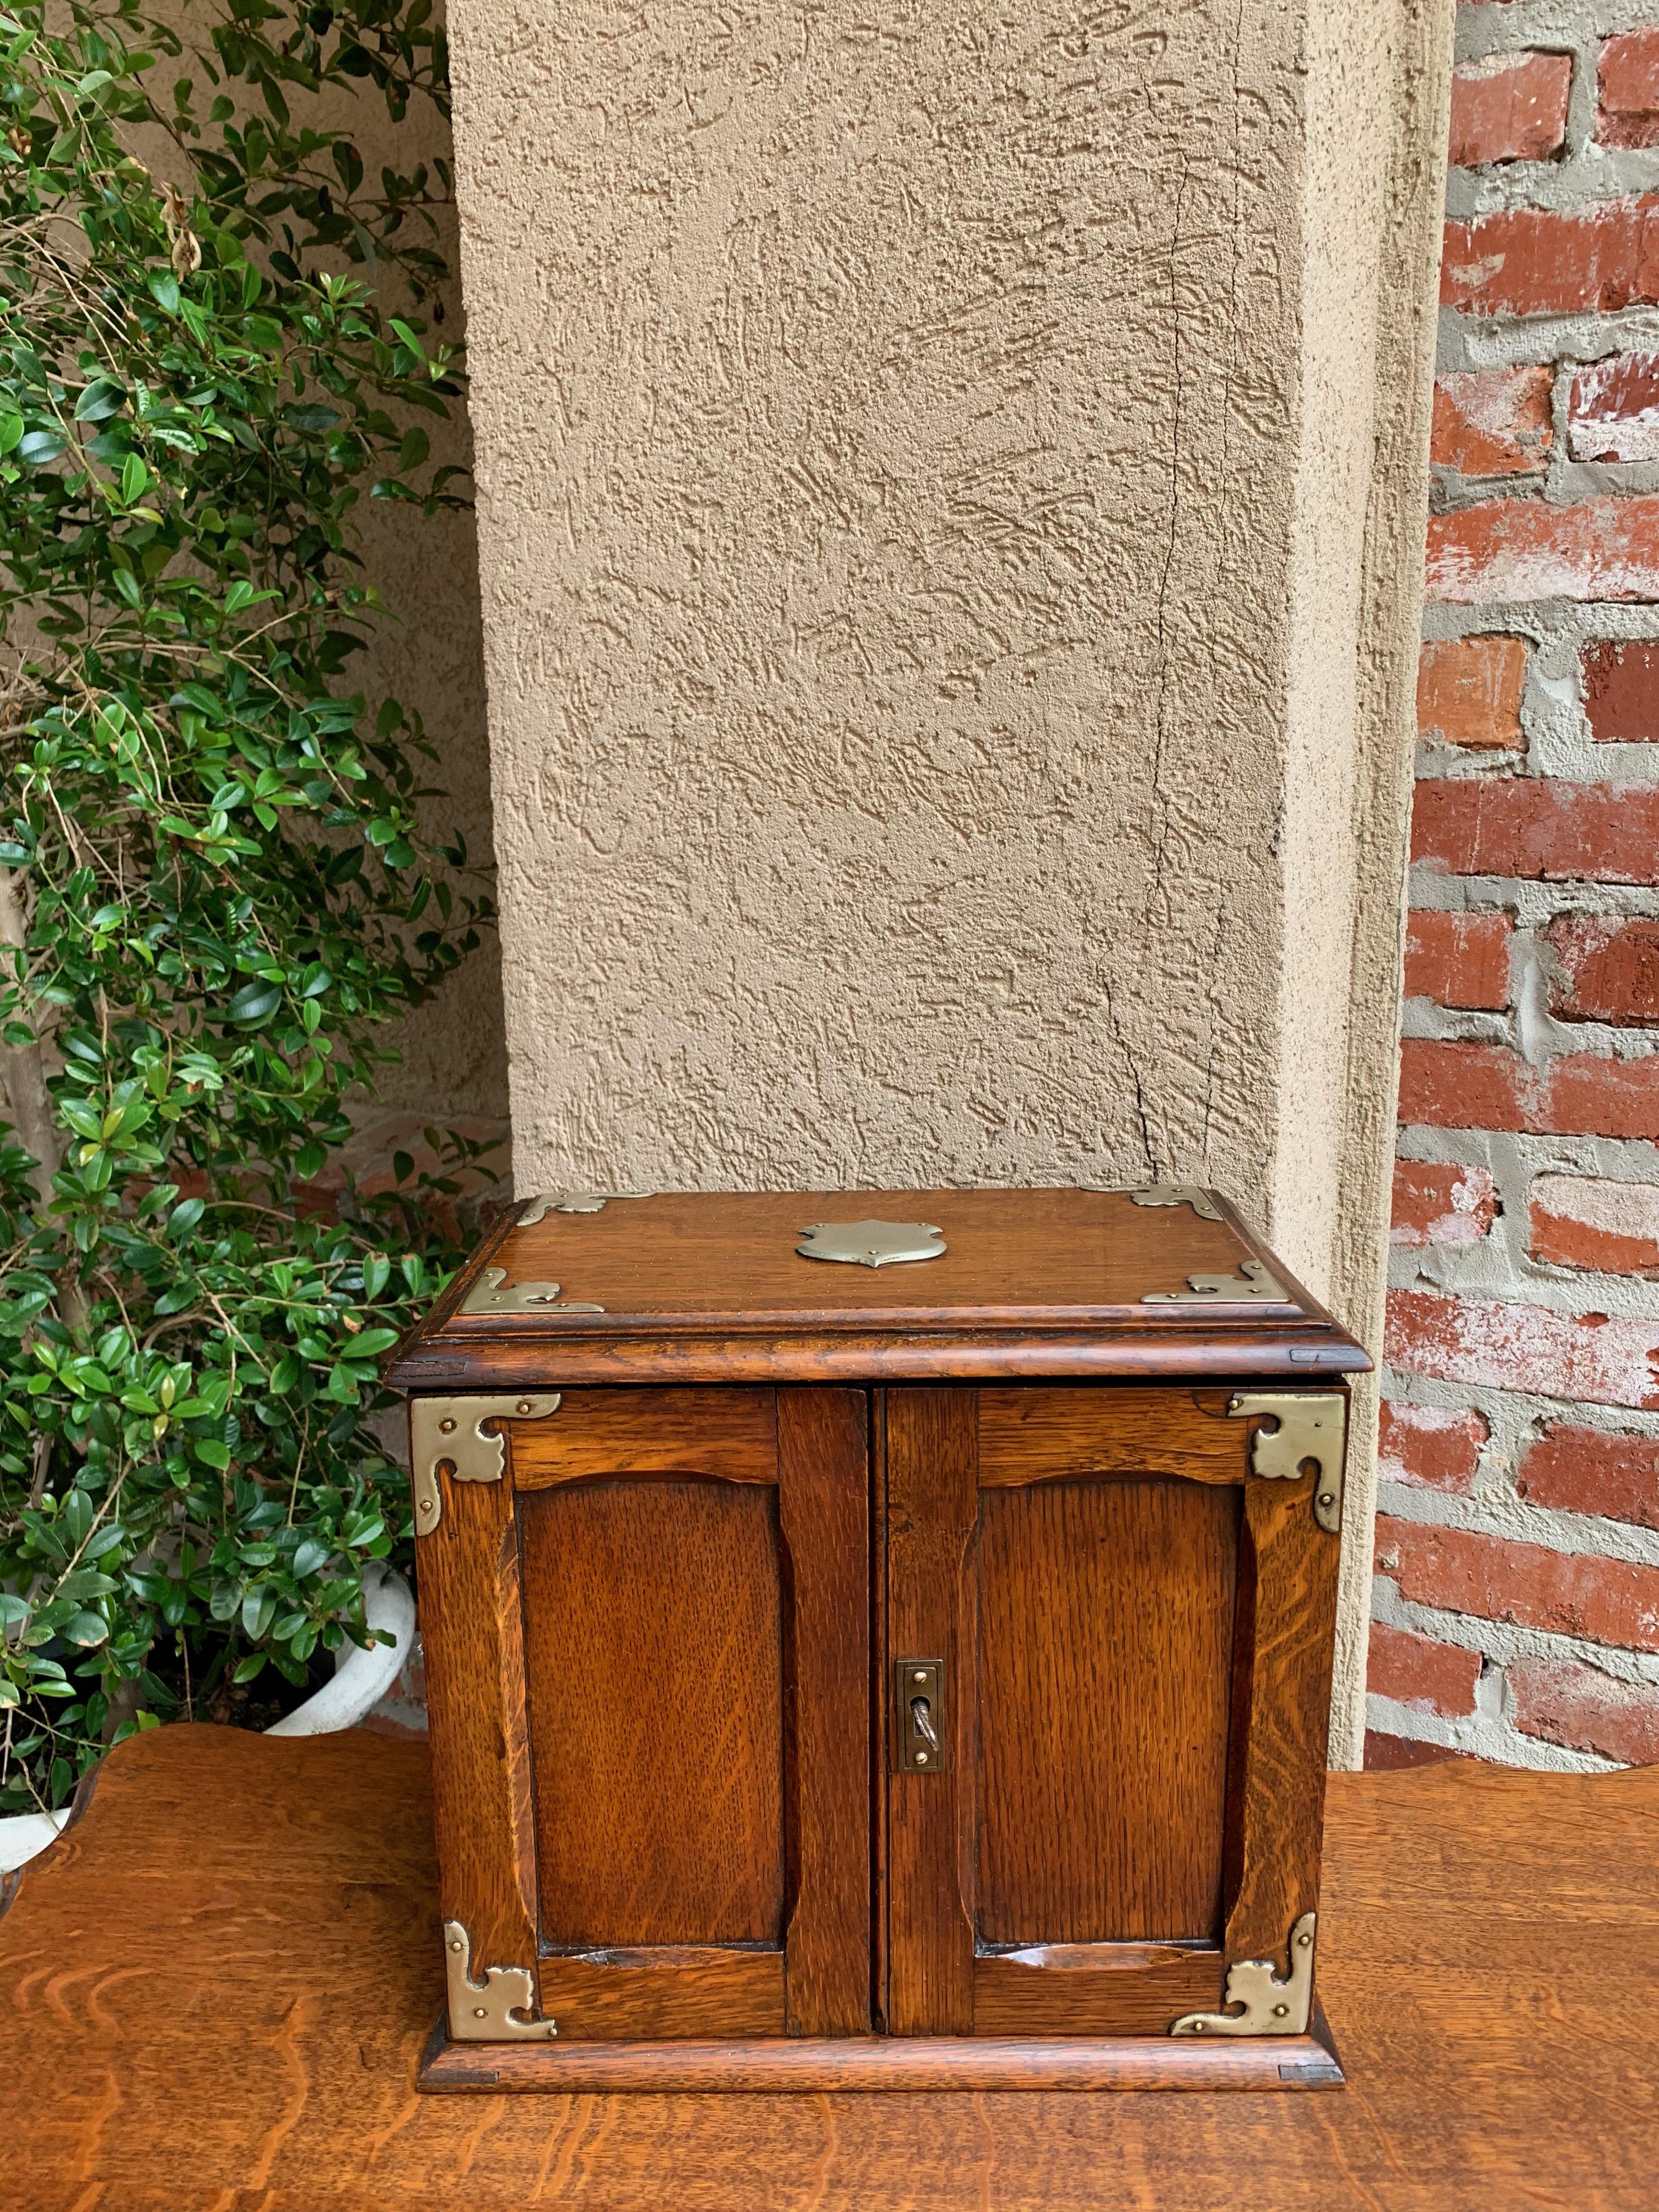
(572, 1201)
(490, 2011)
(1161, 1193)
(559, 1201)
(493, 1293)
(1307, 1424)
(1253, 1285)
(1269, 2004)
(1179, 1193)
(452, 1429)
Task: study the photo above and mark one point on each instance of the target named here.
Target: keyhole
(921, 1719)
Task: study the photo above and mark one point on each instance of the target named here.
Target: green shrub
(214, 892)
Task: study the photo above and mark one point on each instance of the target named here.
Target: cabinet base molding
(878, 2062)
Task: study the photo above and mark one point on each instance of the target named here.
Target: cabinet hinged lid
(720, 1286)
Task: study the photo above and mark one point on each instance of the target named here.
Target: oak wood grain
(725, 1436)
(714, 1254)
(823, 1505)
(471, 1635)
(1036, 1434)
(889, 2065)
(1102, 1990)
(708, 1287)
(932, 1520)
(654, 1646)
(1287, 1605)
(673, 1993)
(1239, 1349)
(1104, 1675)
(218, 1986)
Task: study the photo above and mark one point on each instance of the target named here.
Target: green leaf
(101, 398)
(84, 1582)
(259, 1607)
(215, 945)
(36, 448)
(254, 1005)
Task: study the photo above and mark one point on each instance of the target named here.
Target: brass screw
(1279, 2011)
(921, 1759)
(456, 1946)
(1198, 2027)
(1303, 1941)
(920, 1675)
(426, 1505)
(445, 1428)
(1328, 1498)
(523, 1406)
(478, 2013)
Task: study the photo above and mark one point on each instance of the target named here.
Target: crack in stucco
(1141, 1115)
(1159, 726)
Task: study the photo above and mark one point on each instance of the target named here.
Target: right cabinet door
(1108, 1618)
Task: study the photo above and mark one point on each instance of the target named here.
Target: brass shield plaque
(870, 1244)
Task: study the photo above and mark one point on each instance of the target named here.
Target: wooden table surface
(216, 1986)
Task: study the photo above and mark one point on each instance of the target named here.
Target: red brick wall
(1516, 1608)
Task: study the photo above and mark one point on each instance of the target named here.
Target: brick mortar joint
(1516, 1419)
(1494, 1739)
(1512, 1519)
(1506, 1644)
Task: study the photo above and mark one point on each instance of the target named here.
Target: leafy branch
(215, 888)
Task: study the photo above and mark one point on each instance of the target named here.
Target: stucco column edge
(1390, 628)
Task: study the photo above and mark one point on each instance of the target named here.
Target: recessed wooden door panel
(1134, 1630)
(1105, 1674)
(649, 1648)
(654, 1650)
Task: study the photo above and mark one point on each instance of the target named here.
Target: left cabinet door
(647, 1648)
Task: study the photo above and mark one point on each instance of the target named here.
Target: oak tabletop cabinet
(879, 1640)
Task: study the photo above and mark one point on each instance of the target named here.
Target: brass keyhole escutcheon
(919, 1716)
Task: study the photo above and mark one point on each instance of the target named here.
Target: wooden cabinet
(888, 1675)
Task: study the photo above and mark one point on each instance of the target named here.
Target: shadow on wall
(431, 656)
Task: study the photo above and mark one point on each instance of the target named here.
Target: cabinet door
(1131, 1632)
(648, 1659)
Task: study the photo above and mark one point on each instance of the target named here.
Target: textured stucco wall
(927, 527)
(1378, 81)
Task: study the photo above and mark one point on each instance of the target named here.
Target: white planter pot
(361, 1680)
